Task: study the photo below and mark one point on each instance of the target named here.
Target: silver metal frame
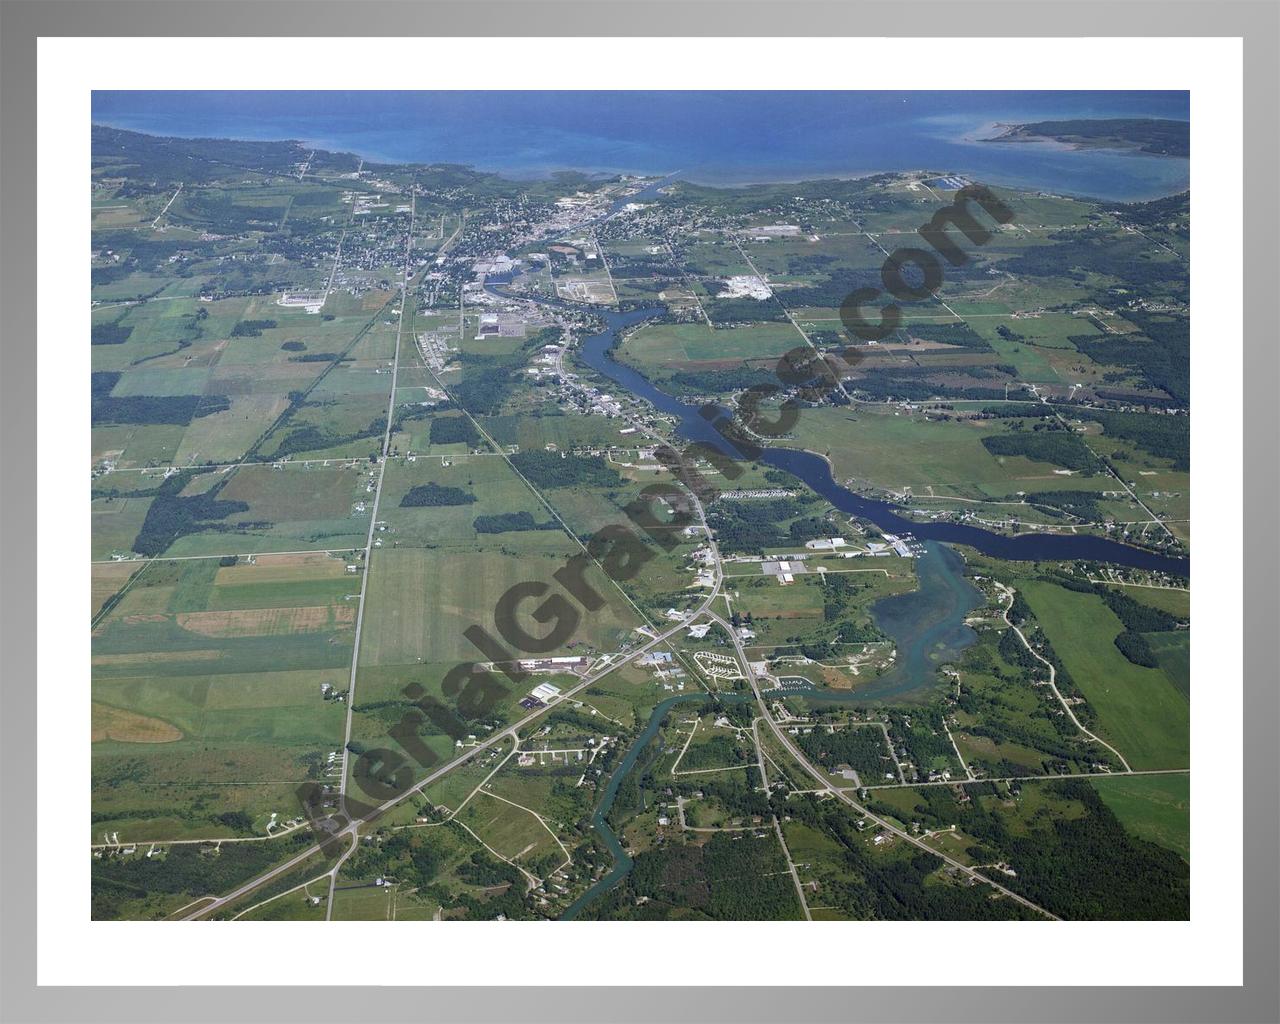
(1258, 23)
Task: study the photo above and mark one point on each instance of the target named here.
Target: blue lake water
(711, 137)
(727, 138)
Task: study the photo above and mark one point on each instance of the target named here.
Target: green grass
(511, 831)
(1173, 652)
(657, 345)
(494, 484)
(452, 789)
(206, 683)
(292, 509)
(134, 446)
(1175, 602)
(115, 524)
(1152, 807)
(227, 435)
(566, 431)
(356, 902)
(293, 906)
(1137, 708)
(420, 601)
(419, 604)
(892, 449)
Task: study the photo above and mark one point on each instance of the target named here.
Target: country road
(842, 795)
(1052, 681)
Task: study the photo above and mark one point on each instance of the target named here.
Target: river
(927, 625)
(928, 629)
(622, 862)
(815, 471)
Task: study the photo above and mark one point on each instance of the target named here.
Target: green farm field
(341, 408)
(1138, 709)
(207, 691)
(421, 600)
(658, 345)
(1152, 807)
(891, 449)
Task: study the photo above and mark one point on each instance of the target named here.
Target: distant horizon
(718, 139)
(603, 175)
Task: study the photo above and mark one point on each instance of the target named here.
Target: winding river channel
(622, 862)
(927, 624)
(815, 471)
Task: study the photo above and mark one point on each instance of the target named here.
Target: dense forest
(312, 438)
(251, 328)
(748, 527)
(1160, 136)
(741, 311)
(917, 384)
(1080, 504)
(110, 332)
(738, 876)
(487, 382)
(1168, 437)
(511, 522)
(1059, 447)
(190, 869)
(911, 886)
(171, 516)
(861, 747)
(168, 161)
(1081, 866)
(703, 382)
(180, 409)
(453, 430)
(1169, 211)
(961, 335)
(557, 469)
(1078, 254)
(1162, 358)
(433, 494)
(419, 859)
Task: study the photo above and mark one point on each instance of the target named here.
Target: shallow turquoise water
(712, 137)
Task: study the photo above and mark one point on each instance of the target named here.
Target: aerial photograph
(601, 506)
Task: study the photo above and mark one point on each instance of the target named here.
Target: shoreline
(1019, 133)
(712, 181)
